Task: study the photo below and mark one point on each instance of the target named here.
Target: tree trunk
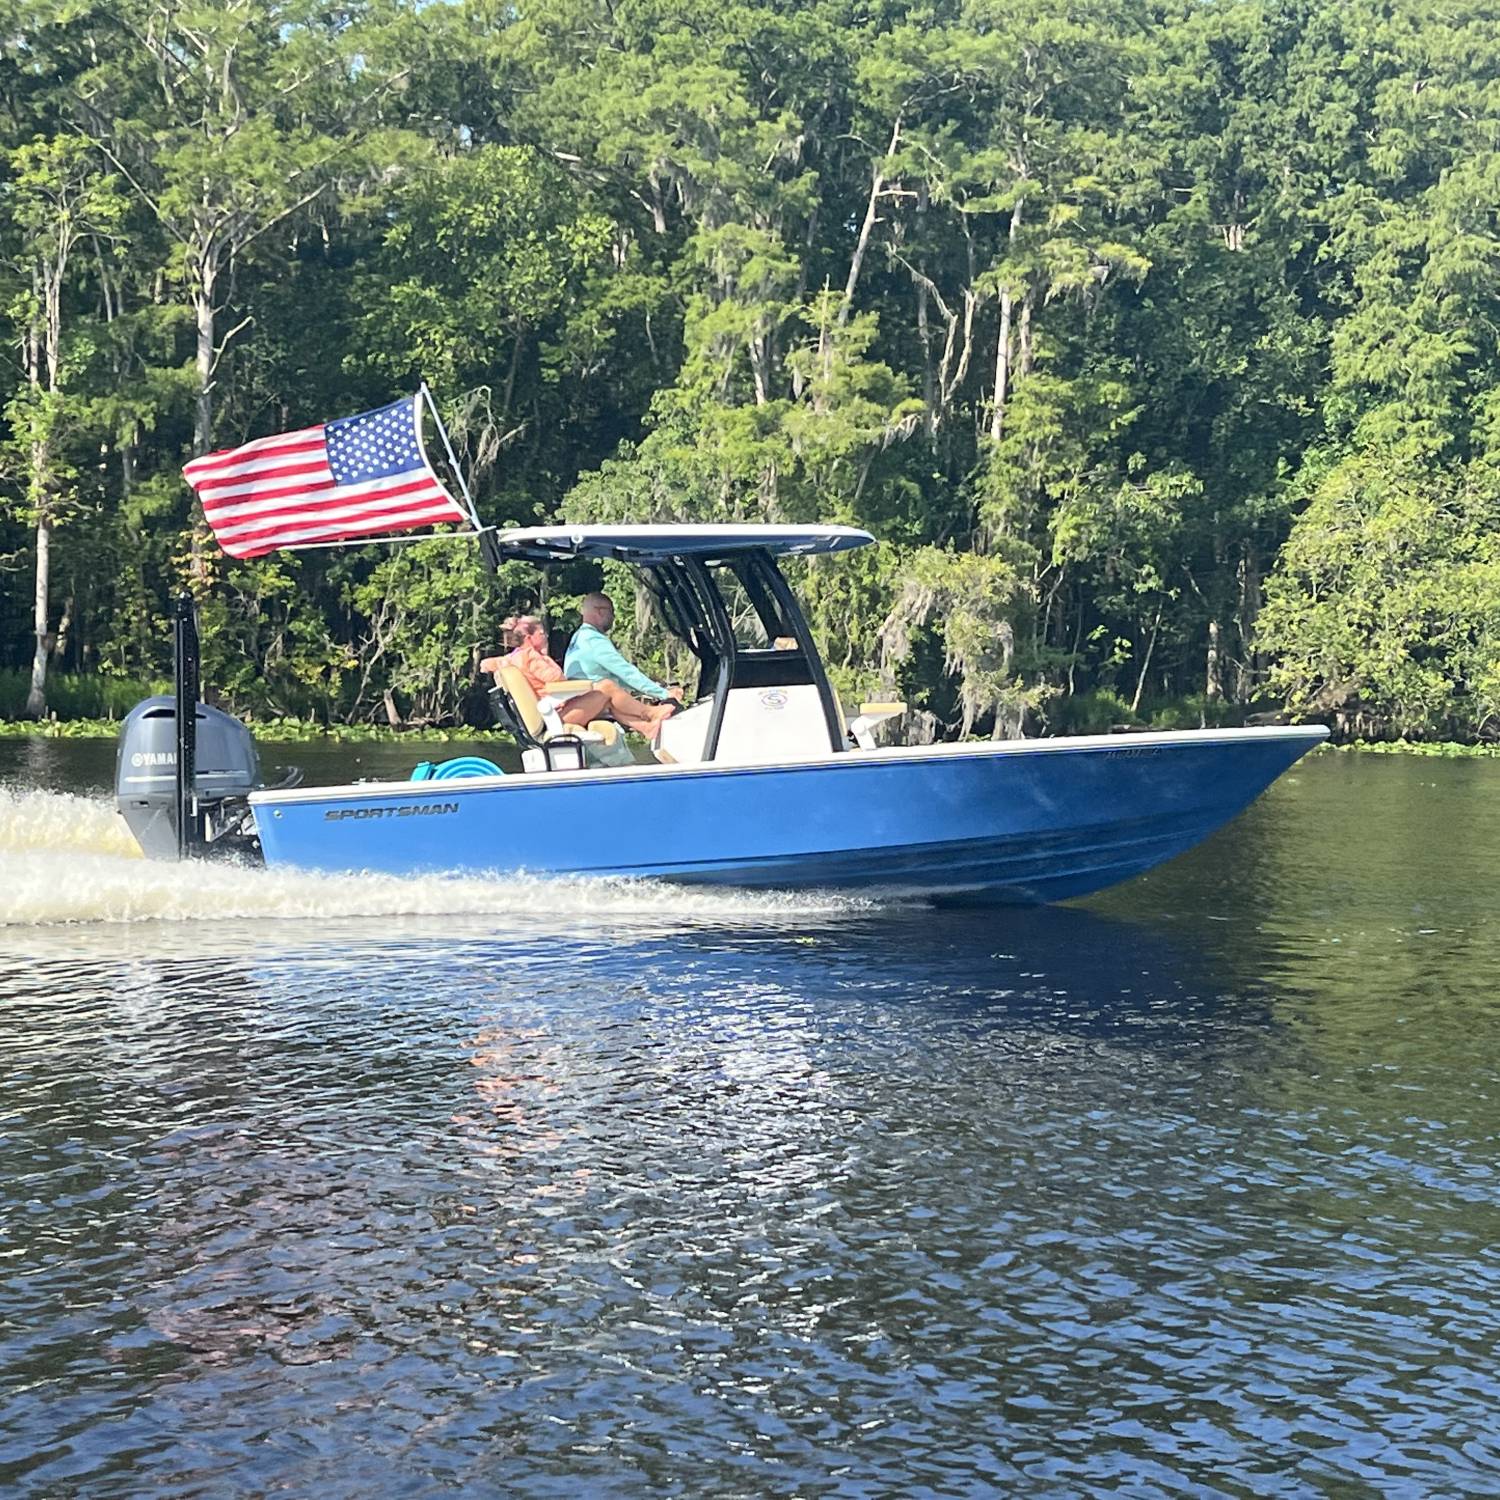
(1140, 682)
(1213, 677)
(1252, 672)
(1002, 346)
(203, 366)
(949, 381)
(924, 333)
(64, 627)
(866, 229)
(929, 384)
(40, 481)
(1073, 654)
(657, 205)
(510, 377)
(758, 348)
(1002, 367)
(1023, 335)
(36, 697)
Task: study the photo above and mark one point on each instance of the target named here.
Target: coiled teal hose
(457, 769)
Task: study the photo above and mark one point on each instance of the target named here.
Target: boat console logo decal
(774, 698)
(410, 810)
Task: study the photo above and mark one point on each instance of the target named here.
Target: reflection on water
(616, 1190)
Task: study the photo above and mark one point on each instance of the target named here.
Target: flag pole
(374, 541)
(458, 473)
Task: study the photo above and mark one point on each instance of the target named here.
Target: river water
(354, 1187)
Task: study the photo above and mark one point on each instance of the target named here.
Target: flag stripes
(338, 481)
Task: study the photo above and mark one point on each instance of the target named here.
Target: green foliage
(1385, 611)
(484, 249)
(1444, 749)
(1096, 712)
(430, 613)
(1112, 326)
(79, 695)
(970, 603)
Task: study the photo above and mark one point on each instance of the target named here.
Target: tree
(223, 121)
(1384, 612)
(58, 196)
(1093, 315)
(484, 257)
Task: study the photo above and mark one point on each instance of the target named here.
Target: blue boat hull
(1021, 822)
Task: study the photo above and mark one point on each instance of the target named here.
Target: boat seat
(546, 742)
(569, 687)
(861, 729)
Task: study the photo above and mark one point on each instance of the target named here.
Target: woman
(527, 638)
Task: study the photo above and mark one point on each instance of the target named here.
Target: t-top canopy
(646, 545)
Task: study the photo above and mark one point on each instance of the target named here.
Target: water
(396, 1187)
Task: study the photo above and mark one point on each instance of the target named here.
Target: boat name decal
(1136, 752)
(408, 810)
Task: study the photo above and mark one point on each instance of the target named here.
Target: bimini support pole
(185, 690)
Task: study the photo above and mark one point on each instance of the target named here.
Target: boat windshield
(756, 617)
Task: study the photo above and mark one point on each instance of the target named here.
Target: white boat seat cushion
(871, 715)
(542, 716)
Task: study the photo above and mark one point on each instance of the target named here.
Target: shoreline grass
(1445, 749)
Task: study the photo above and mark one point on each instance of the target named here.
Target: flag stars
(375, 445)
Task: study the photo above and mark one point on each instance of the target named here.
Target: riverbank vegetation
(1157, 342)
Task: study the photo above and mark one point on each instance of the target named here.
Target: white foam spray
(70, 859)
(57, 822)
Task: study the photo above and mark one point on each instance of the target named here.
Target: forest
(1154, 340)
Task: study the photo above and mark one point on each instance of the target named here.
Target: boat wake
(71, 859)
(59, 823)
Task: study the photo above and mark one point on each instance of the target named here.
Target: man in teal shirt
(592, 656)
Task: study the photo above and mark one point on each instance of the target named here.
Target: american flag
(342, 480)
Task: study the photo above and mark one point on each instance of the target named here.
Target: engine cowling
(228, 770)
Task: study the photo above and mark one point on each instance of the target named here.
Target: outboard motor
(227, 770)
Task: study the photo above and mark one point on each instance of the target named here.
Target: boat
(766, 782)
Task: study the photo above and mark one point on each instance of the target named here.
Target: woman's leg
(629, 711)
(584, 708)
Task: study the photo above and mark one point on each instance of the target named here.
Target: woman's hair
(515, 630)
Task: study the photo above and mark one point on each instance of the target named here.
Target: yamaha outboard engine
(227, 771)
(183, 776)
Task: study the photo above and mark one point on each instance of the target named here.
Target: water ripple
(581, 1195)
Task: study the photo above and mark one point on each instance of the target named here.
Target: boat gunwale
(882, 755)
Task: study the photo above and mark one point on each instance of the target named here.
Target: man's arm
(605, 660)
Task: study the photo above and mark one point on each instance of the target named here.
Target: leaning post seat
(547, 744)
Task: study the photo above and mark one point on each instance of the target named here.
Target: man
(593, 657)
